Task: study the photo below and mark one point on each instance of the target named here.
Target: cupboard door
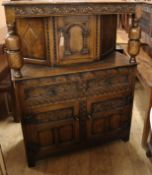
(106, 116)
(76, 39)
(52, 128)
(36, 34)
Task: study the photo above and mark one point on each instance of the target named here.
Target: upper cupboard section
(66, 40)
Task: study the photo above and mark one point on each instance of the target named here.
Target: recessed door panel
(76, 39)
(36, 39)
(53, 127)
(106, 116)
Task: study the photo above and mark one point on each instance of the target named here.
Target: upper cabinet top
(70, 7)
(69, 1)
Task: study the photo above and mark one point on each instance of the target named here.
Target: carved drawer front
(108, 115)
(76, 39)
(36, 35)
(53, 90)
(53, 127)
(69, 87)
(109, 81)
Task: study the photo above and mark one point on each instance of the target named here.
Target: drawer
(109, 81)
(52, 90)
(57, 89)
(96, 106)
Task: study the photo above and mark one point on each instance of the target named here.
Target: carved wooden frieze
(51, 90)
(73, 9)
(54, 93)
(107, 83)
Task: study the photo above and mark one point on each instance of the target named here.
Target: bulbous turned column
(13, 46)
(134, 40)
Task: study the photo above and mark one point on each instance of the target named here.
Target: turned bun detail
(13, 51)
(134, 39)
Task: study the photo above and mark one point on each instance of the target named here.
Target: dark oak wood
(76, 38)
(78, 91)
(33, 34)
(63, 111)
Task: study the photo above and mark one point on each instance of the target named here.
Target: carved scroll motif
(87, 84)
(73, 9)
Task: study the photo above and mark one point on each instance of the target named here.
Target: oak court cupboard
(72, 88)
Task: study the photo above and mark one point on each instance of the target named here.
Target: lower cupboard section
(66, 126)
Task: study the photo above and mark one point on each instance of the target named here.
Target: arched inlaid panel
(76, 39)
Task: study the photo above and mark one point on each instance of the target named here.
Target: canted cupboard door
(107, 116)
(36, 35)
(76, 39)
(53, 128)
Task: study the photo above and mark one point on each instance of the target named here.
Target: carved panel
(53, 93)
(34, 39)
(110, 105)
(54, 136)
(107, 123)
(108, 81)
(74, 9)
(107, 116)
(47, 137)
(76, 39)
(54, 115)
(53, 126)
(76, 86)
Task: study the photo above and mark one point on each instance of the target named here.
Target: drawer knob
(89, 116)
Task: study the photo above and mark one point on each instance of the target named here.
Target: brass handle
(89, 116)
